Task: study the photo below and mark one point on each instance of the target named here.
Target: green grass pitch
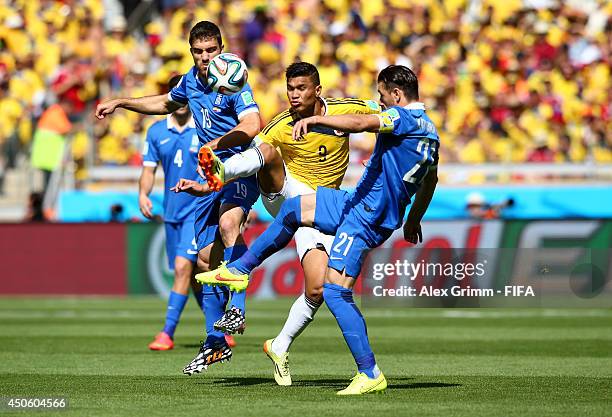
(504, 362)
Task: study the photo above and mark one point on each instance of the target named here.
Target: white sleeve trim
(175, 101)
(149, 164)
(248, 111)
(380, 121)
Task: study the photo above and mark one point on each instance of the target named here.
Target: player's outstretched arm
(145, 105)
(191, 187)
(412, 227)
(351, 123)
(145, 185)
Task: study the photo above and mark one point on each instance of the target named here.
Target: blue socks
(230, 254)
(276, 237)
(215, 299)
(176, 304)
(351, 322)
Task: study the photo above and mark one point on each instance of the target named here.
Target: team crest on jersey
(218, 99)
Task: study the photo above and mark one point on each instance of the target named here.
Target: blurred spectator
(478, 208)
(72, 84)
(35, 211)
(116, 213)
(49, 140)
(541, 151)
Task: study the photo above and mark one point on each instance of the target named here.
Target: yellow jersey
(321, 158)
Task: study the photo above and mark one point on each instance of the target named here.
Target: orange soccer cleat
(212, 167)
(229, 339)
(162, 342)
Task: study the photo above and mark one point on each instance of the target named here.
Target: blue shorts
(243, 193)
(180, 241)
(353, 236)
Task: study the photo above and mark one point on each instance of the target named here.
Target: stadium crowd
(507, 81)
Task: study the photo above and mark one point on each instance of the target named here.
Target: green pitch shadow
(395, 383)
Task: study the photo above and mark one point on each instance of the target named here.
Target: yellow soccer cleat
(362, 384)
(212, 167)
(281, 364)
(223, 276)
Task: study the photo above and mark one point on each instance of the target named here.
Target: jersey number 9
(322, 153)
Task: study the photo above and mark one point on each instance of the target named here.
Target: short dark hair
(174, 81)
(399, 76)
(205, 30)
(303, 69)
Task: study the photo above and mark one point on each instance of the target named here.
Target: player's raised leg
(262, 160)
(295, 212)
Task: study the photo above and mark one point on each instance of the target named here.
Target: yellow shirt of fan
(321, 157)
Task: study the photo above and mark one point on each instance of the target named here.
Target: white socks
(243, 164)
(300, 315)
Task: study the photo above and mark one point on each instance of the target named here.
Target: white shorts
(306, 238)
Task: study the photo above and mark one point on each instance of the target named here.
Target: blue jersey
(177, 151)
(215, 114)
(406, 147)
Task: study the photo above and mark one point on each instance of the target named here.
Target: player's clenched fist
(106, 108)
(412, 232)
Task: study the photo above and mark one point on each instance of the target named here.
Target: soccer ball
(227, 74)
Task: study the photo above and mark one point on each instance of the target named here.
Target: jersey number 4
(178, 158)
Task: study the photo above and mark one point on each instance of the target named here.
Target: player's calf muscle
(314, 264)
(229, 229)
(230, 222)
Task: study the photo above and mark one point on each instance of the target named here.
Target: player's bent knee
(315, 294)
(182, 270)
(271, 156)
